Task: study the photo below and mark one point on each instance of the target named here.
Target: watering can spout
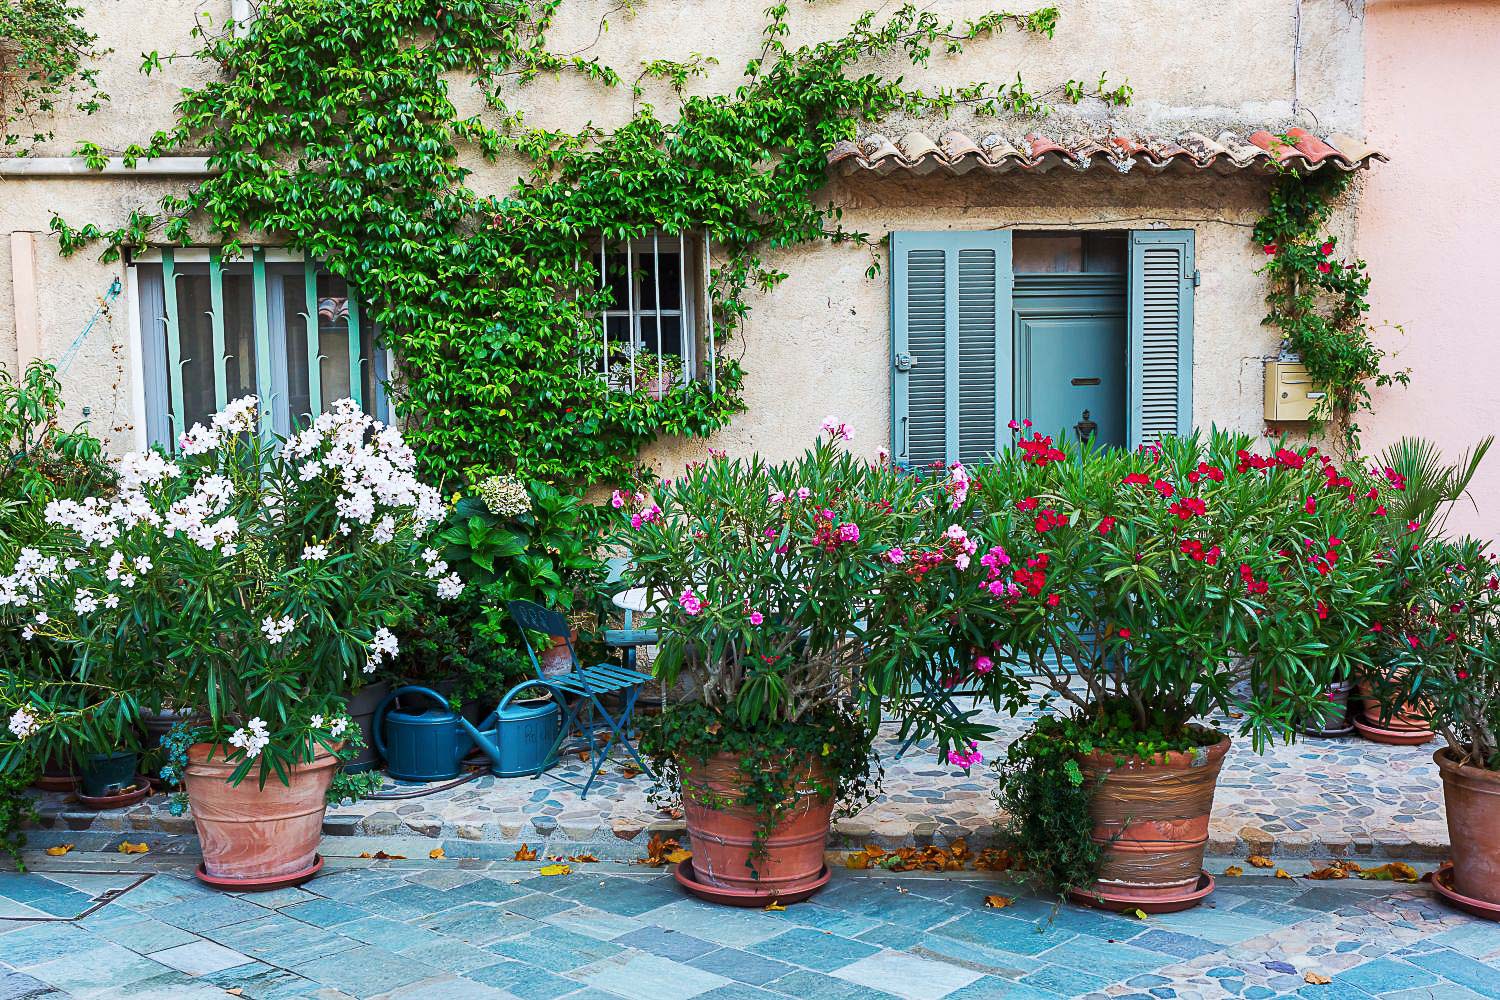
(485, 739)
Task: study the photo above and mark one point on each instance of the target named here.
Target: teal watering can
(520, 738)
(431, 744)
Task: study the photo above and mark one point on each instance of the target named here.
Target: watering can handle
(385, 706)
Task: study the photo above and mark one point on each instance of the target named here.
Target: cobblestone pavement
(1316, 797)
(107, 925)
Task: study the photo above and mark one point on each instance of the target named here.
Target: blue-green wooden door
(1072, 371)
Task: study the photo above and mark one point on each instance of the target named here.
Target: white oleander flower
(252, 737)
(450, 587)
(314, 553)
(84, 602)
(277, 629)
(23, 723)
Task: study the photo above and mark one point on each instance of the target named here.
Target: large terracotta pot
(1472, 797)
(1407, 725)
(254, 834)
(1151, 819)
(722, 830)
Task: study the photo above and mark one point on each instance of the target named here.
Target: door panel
(1070, 358)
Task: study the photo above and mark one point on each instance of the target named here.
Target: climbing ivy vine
(1318, 297)
(45, 55)
(332, 126)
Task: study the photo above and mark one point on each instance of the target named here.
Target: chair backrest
(537, 618)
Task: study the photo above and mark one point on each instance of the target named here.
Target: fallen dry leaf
(998, 902)
(382, 856)
(774, 906)
(1261, 861)
(1392, 871)
(1282, 873)
(997, 859)
(59, 850)
(126, 847)
(1234, 871)
(664, 851)
(1140, 914)
(857, 860)
(524, 853)
(1316, 978)
(436, 854)
(629, 772)
(554, 870)
(1336, 870)
(236, 991)
(584, 859)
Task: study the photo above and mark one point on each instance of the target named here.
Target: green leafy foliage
(332, 123)
(44, 56)
(1318, 299)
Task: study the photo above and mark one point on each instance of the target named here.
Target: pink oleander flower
(961, 561)
(983, 664)
(617, 499)
(756, 618)
(690, 603)
(837, 428)
(848, 532)
(966, 760)
(896, 556)
(803, 493)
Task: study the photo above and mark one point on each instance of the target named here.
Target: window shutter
(1161, 334)
(950, 345)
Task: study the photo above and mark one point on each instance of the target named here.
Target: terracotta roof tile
(956, 152)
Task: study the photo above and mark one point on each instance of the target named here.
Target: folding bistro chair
(586, 684)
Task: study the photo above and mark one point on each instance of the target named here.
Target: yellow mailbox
(1290, 392)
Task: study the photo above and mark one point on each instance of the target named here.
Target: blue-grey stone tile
(1385, 975)
(813, 949)
(1065, 981)
(364, 971)
(525, 981)
(1172, 943)
(741, 966)
(555, 949)
(1463, 970)
(675, 945)
(804, 984)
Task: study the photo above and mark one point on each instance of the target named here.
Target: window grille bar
(656, 281)
(708, 305)
(262, 341)
(356, 375)
(632, 319)
(682, 304)
(314, 348)
(174, 344)
(216, 318)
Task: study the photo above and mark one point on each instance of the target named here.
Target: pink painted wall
(1429, 225)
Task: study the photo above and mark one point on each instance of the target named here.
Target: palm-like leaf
(1433, 484)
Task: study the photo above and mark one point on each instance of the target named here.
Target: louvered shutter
(950, 345)
(1161, 334)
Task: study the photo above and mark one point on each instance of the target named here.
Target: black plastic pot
(108, 773)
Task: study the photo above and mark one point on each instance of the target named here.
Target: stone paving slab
(1317, 797)
(420, 928)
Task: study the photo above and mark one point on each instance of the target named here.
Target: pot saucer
(56, 782)
(260, 884)
(1393, 737)
(1157, 904)
(686, 877)
(1442, 881)
(139, 793)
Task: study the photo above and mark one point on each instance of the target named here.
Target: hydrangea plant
(247, 580)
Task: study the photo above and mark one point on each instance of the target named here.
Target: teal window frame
(270, 274)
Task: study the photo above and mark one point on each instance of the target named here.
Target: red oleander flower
(1270, 249)
(1326, 248)
(1106, 525)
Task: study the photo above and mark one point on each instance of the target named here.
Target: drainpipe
(1296, 57)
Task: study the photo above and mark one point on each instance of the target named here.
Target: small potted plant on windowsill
(1141, 587)
(653, 375)
(761, 579)
(265, 573)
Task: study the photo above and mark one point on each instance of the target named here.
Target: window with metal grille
(650, 336)
(272, 325)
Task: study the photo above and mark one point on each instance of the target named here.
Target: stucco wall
(1427, 227)
(819, 344)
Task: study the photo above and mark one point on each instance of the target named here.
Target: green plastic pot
(108, 773)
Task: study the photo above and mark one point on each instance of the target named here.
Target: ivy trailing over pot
(1319, 298)
(44, 57)
(333, 127)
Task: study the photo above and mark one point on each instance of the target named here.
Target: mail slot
(1086, 381)
(1291, 393)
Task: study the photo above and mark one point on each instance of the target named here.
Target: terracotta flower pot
(554, 659)
(252, 834)
(1407, 725)
(722, 830)
(1151, 819)
(1472, 797)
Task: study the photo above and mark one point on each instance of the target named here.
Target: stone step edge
(627, 840)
